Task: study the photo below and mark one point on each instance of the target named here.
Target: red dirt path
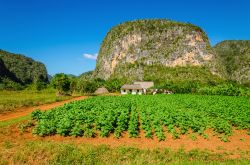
(27, 110)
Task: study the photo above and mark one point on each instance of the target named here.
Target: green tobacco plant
(153, 115)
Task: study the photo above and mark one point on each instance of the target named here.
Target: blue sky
(59, 32)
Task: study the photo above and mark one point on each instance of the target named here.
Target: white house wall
(123, 93)
(134, 92)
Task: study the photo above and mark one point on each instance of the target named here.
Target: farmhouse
(136, 88)
(132, 89)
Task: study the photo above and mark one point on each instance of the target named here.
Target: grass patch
(11, 100)
(8, 144)
(36, 152)
(14, 121)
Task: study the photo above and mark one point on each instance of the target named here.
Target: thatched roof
(131, 86)
(145, 84)
(101, 91)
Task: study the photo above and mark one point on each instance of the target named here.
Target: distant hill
(158, 50)
(235, 56)
(21, 69)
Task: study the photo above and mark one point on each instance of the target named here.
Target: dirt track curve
(27, 110)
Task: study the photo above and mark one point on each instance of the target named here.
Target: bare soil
(212, 144)
(239, 141)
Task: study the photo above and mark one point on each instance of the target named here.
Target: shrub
(61, 82)
(89, 86)
(225, 89)
(113, 85)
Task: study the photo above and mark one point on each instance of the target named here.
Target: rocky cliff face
(235, 55)
(152, 42)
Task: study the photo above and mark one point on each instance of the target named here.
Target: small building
(136, 88)
(101, 91)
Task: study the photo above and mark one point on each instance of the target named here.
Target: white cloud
(90, 56)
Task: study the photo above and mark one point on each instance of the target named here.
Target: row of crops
(154, 115)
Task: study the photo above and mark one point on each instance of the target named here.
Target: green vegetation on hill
(19, 69)
(196, 80)
(235, 55)
(86, 75)
(162, 74)
(3, 70)
(150, 26)
(181, 79)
